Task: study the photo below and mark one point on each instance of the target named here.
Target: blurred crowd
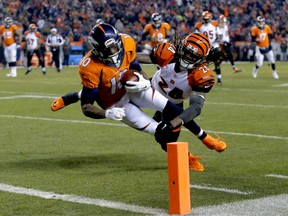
(75, 18)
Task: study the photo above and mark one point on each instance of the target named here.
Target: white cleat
(254, 74)
(275, 75)
(11, 75)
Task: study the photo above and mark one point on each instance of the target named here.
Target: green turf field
(111, 169)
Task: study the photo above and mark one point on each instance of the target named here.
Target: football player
(225, 41)
(210, 28)
(101, 70)
(184, 74)
(33, 43)
(262, 35)
(157, 31)
(8, 33)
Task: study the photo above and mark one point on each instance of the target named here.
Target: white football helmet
(8, 22)
(260, 22)
(156, 19)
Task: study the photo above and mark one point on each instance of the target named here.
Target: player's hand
(115, 113)
(164, 134)
(138, 86)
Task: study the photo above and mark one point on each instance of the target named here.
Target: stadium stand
(133, 15)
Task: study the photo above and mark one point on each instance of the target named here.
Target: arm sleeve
(196, 103)
(48, 41)
(135, 65)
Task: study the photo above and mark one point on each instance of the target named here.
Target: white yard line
(225, 190)
(83, 200)
(123, 125)
(247, 105)
(267, 206)
(30, 95)
(277, 176)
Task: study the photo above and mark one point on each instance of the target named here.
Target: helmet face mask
(8, 22)
(260, 22)
(207, 17)
(107, 44)
(193, 50)
(156, 20)
(32, 27)
(222, 19)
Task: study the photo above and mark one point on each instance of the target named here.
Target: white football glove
(115, 113)
(138, 86)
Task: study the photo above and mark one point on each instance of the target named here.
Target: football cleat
(275, 75)
(236, 70)
(57, 104)
(214, 144)
(194, 163)
(254, 73)
(219, 82)
(27, 72)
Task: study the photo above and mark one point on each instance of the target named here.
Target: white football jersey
(211, 30)
(174, 86)
(225, 33)
(32, 40)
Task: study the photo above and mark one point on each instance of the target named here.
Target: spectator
(283, 48)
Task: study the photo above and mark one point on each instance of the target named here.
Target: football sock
(195, 129)
(70, 98)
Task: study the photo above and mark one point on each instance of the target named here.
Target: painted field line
(82, 200)
(26, 96)
(276, 176)
(267, 206)
(221, 189)
(208, 102)
(123, 125)
(247, 105)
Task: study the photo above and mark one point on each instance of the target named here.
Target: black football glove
(164, 134)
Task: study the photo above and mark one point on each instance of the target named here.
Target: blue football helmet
(107, 44)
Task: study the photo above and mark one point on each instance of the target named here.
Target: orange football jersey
(262, 39)
(95, 74)
(157, 35)
(8, 34)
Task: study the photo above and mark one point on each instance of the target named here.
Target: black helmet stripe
(203, 51)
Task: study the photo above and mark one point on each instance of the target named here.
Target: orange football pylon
(178, 178)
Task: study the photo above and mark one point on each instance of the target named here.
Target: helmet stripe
(101, 28)
(204, 40)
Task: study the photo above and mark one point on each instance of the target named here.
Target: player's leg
(259, 61)
(136, 118)
(41, 58)
(228, 51)
(65, 100)
(154, 100)
(271, 59)
(10, 53)
(29, 65)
